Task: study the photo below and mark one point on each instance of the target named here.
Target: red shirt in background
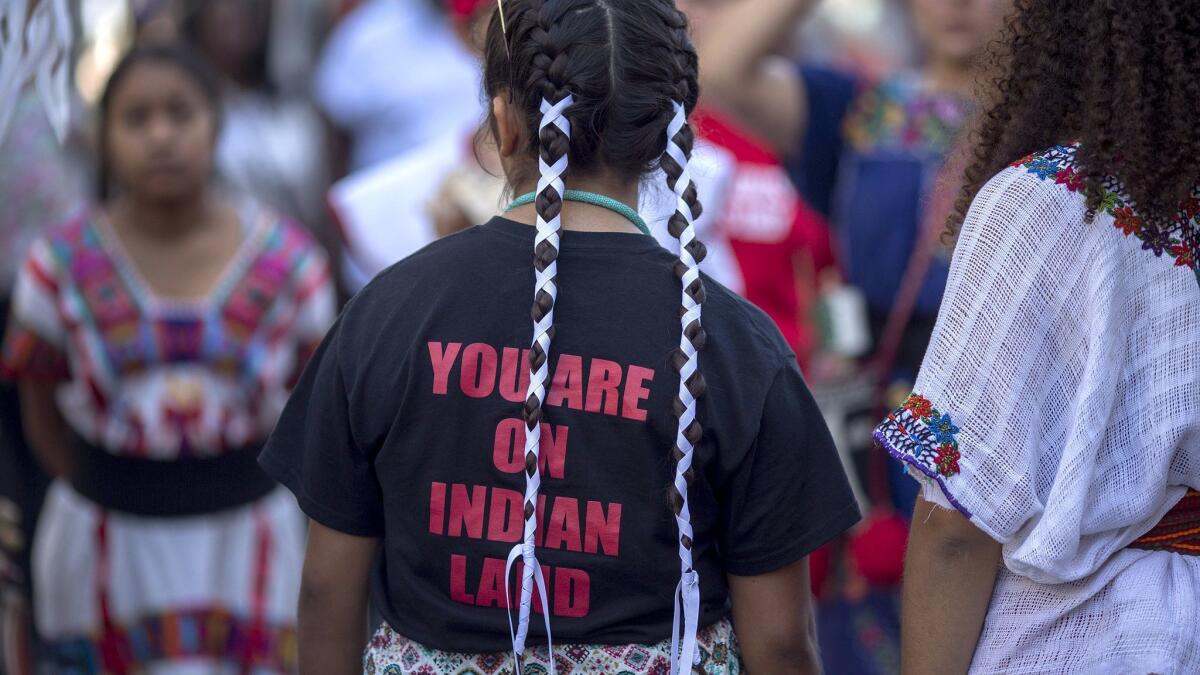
(781, 244)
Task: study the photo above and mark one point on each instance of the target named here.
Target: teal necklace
(594, 199)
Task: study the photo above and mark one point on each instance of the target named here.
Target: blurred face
(699, 12)
(160, 134)
(231, 33)
(958, 30)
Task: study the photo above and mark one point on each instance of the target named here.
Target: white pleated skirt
(214, 593)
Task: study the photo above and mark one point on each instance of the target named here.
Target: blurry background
(319, 90)
(328, 105)
(303, 45)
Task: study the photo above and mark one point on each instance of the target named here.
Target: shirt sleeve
(814, 165)
(790, 494)
(313, 451)
(35, 342)
(316, 303)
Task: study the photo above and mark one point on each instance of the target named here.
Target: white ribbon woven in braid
(687, 593)
(550, 176)
(39, 53)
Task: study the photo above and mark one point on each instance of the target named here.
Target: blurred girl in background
(870, 154)
(272, 144)
(867, 154)
(154, 341)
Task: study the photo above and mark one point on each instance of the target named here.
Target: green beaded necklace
(594, 199)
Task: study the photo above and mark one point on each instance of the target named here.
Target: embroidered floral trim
(1181, 239)
(925, 438)
(205, 633)
(899, 113)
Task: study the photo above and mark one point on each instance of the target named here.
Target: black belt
(188, 486)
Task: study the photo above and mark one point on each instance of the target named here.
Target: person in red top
(780, 242)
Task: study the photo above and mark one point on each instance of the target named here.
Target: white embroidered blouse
(1058, 408)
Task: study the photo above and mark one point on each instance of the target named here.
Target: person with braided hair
(615, 488)
(1055, 430)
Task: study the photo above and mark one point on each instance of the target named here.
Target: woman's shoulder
(433, 261)
(1037, 200)
(445, 268)
(1031, 252)
(473, 254)
(280, 229)
(61, 243)
(1056, 172)
(278, 248)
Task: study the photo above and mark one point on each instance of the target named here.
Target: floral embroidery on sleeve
(925, 438)
(1180, 239)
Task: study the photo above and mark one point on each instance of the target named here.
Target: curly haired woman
(1056, 424)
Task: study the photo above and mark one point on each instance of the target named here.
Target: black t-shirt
(407, 426)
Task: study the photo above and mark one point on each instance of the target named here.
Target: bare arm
(949, 575)
(741, 76)
(774, 619)
(333, 601)
(45, 429)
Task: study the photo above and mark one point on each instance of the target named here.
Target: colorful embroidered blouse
(148, 376)
(1058, 408)
(1060, 390)
(902, 114)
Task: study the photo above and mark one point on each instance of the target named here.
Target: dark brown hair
(625, 61)
(1120, 78)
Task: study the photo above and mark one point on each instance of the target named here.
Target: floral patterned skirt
(393, 654)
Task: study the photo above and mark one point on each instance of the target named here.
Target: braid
(554, 142)
(680, 140)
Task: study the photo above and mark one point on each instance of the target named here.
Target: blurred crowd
(356, 124)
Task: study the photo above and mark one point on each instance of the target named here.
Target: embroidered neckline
(1181, 239)
(258, 227)
(900, 113)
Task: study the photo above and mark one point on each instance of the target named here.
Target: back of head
(624, 61)
(1121, 79)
